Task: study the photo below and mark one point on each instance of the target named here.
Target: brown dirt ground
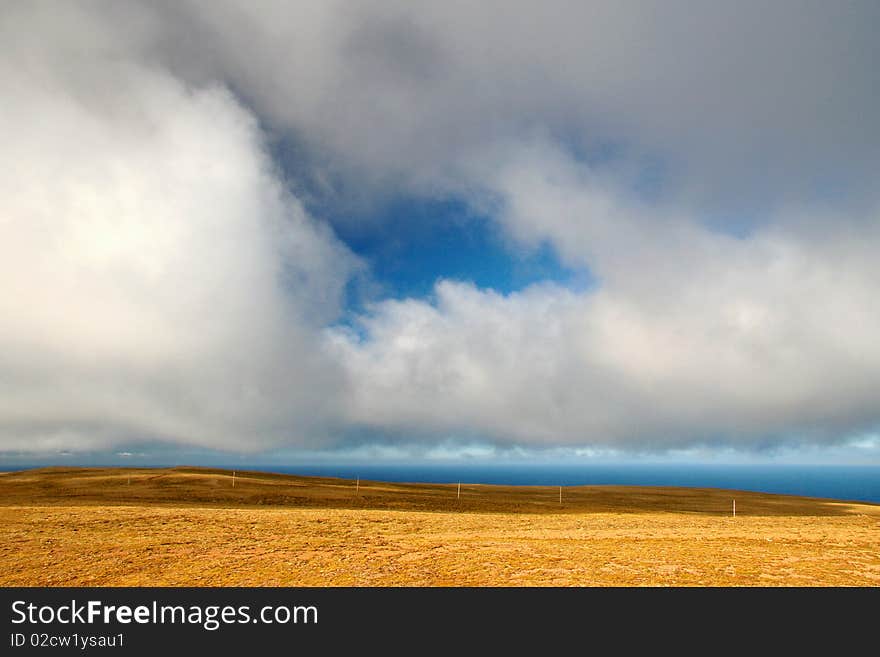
(189, 527)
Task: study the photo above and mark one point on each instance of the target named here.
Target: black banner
(404, 620)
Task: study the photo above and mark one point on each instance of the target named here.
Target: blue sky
(423, 241)
(413, 231)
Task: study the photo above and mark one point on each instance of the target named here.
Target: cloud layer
(740, 105)
(713, 166)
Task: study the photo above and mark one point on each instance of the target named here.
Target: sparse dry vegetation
(189, 526)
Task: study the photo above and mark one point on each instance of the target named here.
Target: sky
(273, 231)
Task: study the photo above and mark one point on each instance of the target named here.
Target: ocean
(843, 482)
(834, 481)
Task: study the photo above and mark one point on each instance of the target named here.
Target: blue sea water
(837, 482)
(843, 482)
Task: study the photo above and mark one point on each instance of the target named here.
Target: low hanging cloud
(160, 279)
(690, 337)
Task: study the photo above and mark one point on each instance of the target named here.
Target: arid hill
(215, 487)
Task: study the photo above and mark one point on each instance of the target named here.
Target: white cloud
(156, 279)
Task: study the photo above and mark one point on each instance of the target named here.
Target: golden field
(190, 527)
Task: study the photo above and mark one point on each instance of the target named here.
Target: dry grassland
(188, 527)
